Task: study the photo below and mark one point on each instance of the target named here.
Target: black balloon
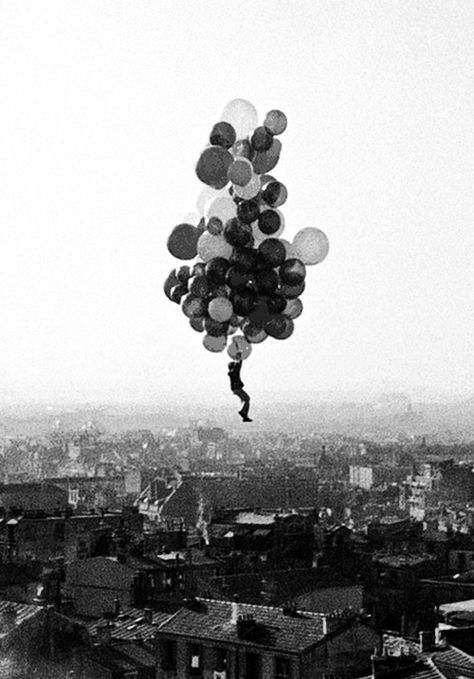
(193, 307)
(212, 166)
(273, 252)
(269, 222)
(276, 303)
(277, 326)
(261, 139)
(261, 313)
(215, 328)
(238, 278)
(292, 272)
(267, 281)
(223, 134)
(216, 269)
(244, 302)
(170, 282)
(244, 258)
(183, 273)
(292, 291)
(177, 292)
(274, 193)
(219, 291)
(197, 324)
(199, 286)
(248, 211)
(237, 233)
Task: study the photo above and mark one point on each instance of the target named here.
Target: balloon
(254, 333)
(192, 218)
(242, 115)
(274, 193)
(212, 166)
(239, 345)
(270, 221)
(219, 291)
(261, 139)
(197, 324)
(291, 252)
(177, 292)
(206, 194)
(198, 269)
(249, 191)
(292, 272)
(209, 246)
(261, 313)
(240, 172)
(223, 134)
(216, 270)
(215, 226)
(237, 233)
(193, 307)
(279, 326)
(243, 149)
(170, 282)
(244, 302)
(275, 122)
(222, 207)
(273, 252)
(293, 308)
(276, 303)
(198, 286)
(220, 309)
(244, 258)
(237, 278)
(248, 211)
(292, 291)
(183, 240)
(267, 281)
(183, 273)
(264, 161)
(312, 245)
(215, 344)
(215, 328)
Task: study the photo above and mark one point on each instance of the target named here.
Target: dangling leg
(245, 398)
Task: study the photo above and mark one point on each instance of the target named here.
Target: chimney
(427, 641)
(116, 607)
(148, 615)
(234, 616)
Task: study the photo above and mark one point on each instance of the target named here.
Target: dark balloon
(277, 303)
(292, 291)
(182, 242)
(261, 314)
(216, 269)
(269, 222)
(198, 286)
(248, 211)
(243, 148)
(223, 134)
(261, 139)
(274, 193)
(275, 122)
(238, 278)
(273, 252)
(193, 307)
(219, 291)
(244, 303)
(212, 166)
(266, 160)
(197, 324)
(215, 328)
(292, 272)
(278, 326)
(244, 258)
(177, 292)
(170, 283)
(267, 281)
(198, 269)
(252, 332)
(237, 233)
(183, 273)
(215, 226)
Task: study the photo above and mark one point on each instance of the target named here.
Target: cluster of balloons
(247, 282)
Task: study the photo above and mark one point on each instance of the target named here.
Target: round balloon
(270, 221)
(312, 245)
(292, 272)
(216, 270)
(273, 252)
(240, 172)
(170, 282)
(264, 161)
(215, 344)
(197, 324)
(261, 139)
(209, 246)
(274, 193)
(242, 115)
(215, 328)
(182, 243)
(215, 226)
(199, 286)
(222, 134)
(222, 207)
(213, 165)
(292, 291)
(253, 332)
(249, 191)
(243, 149)
(193, 307)
(220, 309)
(248, 211)
(239, 345)
(293, 308)
(275, 122)
(206, 194)
(237, 233)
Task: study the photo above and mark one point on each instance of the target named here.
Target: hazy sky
(105, 108)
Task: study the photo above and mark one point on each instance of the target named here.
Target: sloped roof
(131, 623)
(22, 611)
(211, 620)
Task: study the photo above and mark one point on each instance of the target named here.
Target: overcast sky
(105, 108)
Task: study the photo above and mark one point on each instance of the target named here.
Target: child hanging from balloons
(237, 387)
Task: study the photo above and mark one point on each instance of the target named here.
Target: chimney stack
(234, 610)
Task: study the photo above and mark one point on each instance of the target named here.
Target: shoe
(246, 419)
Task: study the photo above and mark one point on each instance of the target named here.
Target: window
(168, 661)
(252, 666)
(195, 653)
(282, 668)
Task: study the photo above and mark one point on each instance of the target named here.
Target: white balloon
(207, 194)
(291, 251)
(210, 245)
(215, 344)
(220, 309)
(312, 245)
(242, 115)
(222, 207)
(191, 218)
(250, 190)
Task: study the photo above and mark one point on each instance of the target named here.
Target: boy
(237, 387)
